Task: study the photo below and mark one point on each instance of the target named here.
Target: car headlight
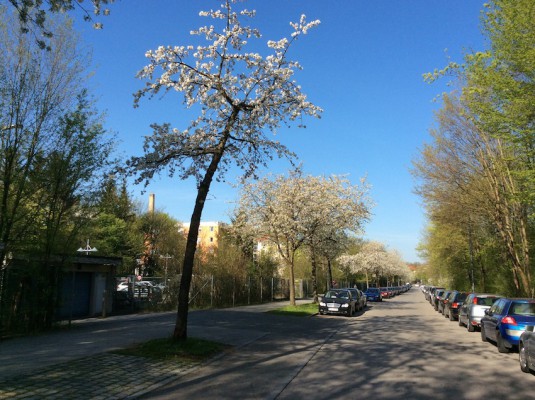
(322, 304)
(345, 305)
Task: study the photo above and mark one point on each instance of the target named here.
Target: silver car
(526, 350)
(473, 309)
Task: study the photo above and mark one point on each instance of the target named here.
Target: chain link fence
(209, 291)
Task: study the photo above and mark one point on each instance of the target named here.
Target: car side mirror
(488, 312)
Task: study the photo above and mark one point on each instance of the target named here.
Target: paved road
(397, 349)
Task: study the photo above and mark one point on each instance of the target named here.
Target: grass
(302, 310)
(166, 349)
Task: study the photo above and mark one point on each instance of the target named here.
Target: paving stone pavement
(99, 377)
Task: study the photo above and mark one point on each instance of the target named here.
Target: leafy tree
(240, 95)
(116, 200)
(374, 259)
(51, 158)
(37, 90)
(296, 211)
(496, 110)
(159, 235)
(467, 180)
(113, 227)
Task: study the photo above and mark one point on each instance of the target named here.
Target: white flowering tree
(241, 96)
(395, 267)
(370, 260)
(296, 211)
(376, 260)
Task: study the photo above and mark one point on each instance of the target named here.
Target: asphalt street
(398, 349)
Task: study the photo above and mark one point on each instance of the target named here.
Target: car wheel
(460, 322)
(450, 315)
(522, 358)
(470, 327)
(483, 334)
(502, 348)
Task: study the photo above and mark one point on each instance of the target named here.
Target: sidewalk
(76, 364)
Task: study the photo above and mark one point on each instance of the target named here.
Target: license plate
(333, 309)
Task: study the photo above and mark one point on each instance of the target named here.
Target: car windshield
(523, 309)
(331, 294)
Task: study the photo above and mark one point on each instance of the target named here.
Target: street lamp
(166, 257)
(87, 249)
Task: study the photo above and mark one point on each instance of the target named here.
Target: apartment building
(208, 234)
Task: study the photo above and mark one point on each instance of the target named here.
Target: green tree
(37, 89)
(498, 100)
(51, 158)
(113, 228)
(159, 235)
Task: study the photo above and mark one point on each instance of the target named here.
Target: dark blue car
(505, 321)
(373, 294)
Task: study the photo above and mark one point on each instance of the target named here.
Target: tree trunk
(314, 277)
(180, 332)
(329, 274)
(181, 327)
(292, 280)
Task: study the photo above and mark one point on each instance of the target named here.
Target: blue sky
(363, 65)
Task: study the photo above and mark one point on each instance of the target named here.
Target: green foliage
(158, 235)
(300, 310)
(479, 175)
(53, 153)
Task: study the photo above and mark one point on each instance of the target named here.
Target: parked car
(473, 309)
(453, 303)
(439, 295)
(434, 298)
(373, 294)
(433, 293)
(385, 293)
(357, 295)
(426, 289)
(505, 321)
(441, 300)
(338, 301)
(364, 299)
(526, 350)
